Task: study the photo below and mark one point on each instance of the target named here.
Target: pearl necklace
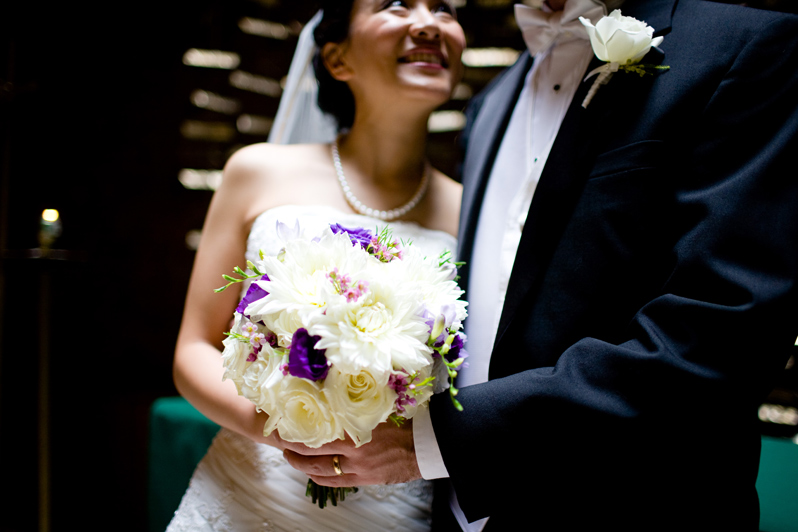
(358, 205)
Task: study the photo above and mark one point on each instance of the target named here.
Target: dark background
(92, 99)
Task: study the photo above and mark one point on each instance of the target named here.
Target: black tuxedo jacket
(653, 297)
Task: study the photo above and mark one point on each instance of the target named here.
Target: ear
(334, 57)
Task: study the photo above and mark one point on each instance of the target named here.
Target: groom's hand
(389, 458)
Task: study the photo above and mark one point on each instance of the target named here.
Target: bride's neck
(386, 149)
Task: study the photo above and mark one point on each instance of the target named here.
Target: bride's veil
(299, 119)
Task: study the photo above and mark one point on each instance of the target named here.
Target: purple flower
(254, 293)
(457, 350)
(439, 325)
(357, 235)
(271, 339)
(401, 383)
(304, 360)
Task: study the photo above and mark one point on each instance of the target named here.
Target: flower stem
(321, 494)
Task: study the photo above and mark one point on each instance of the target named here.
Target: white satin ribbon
(542, 28)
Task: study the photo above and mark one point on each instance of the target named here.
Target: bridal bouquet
(339, 333)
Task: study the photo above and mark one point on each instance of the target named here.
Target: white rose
(618, 39)
(301, 414)
(285, 324)
(234, 358)
(361, 401)
(261, 379)
(249, 383)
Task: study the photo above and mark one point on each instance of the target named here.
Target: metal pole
(44, 399)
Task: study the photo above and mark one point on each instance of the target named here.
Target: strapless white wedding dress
(243, 486)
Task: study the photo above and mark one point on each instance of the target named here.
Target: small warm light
(264, 28)
(254, 83)
(489, 57)
(254, 125)
(49, 230)
(211, 59)
(441, 121)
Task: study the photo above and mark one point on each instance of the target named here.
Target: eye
(394, 4)
(443, 7)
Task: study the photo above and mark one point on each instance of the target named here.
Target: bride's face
(409, 46)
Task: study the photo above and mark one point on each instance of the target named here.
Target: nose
(425, 25)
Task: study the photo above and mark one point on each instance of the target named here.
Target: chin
(435, 90)
(434, 95)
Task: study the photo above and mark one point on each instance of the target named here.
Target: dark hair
(335, 98)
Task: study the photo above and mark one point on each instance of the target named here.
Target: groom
(632, 277)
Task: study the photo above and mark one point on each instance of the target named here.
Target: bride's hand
(389, 458)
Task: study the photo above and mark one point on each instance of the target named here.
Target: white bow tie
(541, 29)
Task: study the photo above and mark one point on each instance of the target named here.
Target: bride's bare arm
(197, 366)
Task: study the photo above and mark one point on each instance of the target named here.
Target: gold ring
(337, 465)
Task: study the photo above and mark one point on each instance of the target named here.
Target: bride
(383, 66)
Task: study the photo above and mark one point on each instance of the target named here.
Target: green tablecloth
(179, 438)
(777, 485)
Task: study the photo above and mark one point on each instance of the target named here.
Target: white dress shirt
(547, 93)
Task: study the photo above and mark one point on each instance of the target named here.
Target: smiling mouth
(424, 58)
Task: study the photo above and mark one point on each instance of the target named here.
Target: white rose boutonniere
(622, 42)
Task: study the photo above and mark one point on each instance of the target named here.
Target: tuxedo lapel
(656, 13)
(486, 135)
(568, 166)
(561, 181)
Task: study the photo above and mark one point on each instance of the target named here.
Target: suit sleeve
(642, 411)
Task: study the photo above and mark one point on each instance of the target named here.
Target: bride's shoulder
(264, 161)
(261, 176)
